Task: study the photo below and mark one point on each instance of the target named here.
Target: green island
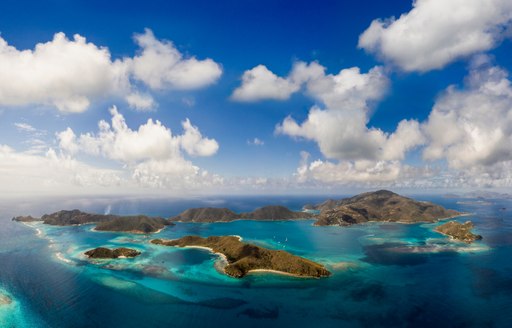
(265, 213)
(104, 222)
(107, 253)
(379, 206)
(459, 231)
(243, 258)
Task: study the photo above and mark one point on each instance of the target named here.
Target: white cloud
(161, 66)
(50, 173)
(193, 142)
(260, 83)
(347, 171)
(152, 141)
(472, 127)
(71, 74)
(437, 32)
(141, 101)
(340, 128)
(255, 142)
(338, 124)
(24, 127)
(152, 154)
(349, 89)
(62, 72)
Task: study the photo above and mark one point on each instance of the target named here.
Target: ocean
(384, 274)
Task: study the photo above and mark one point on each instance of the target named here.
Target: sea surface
(384, 274)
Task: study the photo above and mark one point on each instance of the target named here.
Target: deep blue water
(384, 275)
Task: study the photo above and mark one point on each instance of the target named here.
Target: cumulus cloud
(340, 126)
(151, 141)
(339, 121)
(471, 128)
(69, 74)
(152, 153)
(64, 73)
(347, 171)
(194, 143)
(161, 66)
(436, 32)
(141, 101)
(260, 83)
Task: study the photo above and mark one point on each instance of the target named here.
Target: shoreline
(399, 222)
(224, 261)
(137, 232)
(256, 271)
(255, 220)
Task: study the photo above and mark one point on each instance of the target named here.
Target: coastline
(256, 271)
(138, 232)
(399, 222)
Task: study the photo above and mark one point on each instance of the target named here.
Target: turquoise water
(384, 275)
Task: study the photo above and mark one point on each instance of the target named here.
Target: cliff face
(381, 205)
(243, 257)
(459, 231)
(266, 213)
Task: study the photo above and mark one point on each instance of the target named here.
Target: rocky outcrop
(243, 258)
(382, 205)
(459, 231)
(266, 213)
(107, 253)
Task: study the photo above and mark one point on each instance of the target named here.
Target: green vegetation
(107, 253)
(459, 231)
(243, 258)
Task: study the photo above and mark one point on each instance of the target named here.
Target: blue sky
(364, 73)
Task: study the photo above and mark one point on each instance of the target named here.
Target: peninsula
(379, 206)
(243, 258)
(104, 222)
(107, 253)
(459, 231)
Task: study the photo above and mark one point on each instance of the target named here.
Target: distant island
(459, 231)
(379, 206)
(107, 253)
(110, 222)
(266, 213)
(243, 258)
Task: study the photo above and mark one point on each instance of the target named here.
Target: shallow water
(384, 275)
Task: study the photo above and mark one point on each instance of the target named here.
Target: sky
(254, 97)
